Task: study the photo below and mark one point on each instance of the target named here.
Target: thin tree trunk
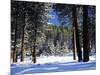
(34, 40)
(74, 44)
(22, 44)
(15, 53)
(15, 40)
(86, 45)
(79, 52)
(34, 47)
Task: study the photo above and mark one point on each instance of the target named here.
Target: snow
(52, 64)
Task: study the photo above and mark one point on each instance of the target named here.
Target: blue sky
(54, 20)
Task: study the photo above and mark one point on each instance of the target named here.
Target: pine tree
(86, 45)
(37, 19)
(76, 31)
(22, 12)
(70, 11)
(15, 26)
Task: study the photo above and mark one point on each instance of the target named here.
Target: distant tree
(66, 12)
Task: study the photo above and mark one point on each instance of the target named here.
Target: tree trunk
(86, 45)
(22, 44)
(74, 44)
(34, 47)
(79, 52)
(34, 41)
(15, 40)
(23, 27)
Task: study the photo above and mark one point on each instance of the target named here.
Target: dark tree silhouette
(22, 10)
(76, 31)
(14, 15)
(86, 45)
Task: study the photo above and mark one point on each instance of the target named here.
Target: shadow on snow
(17, 69)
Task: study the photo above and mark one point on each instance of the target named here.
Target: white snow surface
(51, 64)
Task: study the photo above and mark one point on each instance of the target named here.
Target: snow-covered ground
(52, 64)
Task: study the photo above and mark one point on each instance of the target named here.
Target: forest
(34, 32)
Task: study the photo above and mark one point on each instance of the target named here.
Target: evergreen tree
(38, 18)
(69, 11)
(14, 27)
(75, 25)
(86, 43)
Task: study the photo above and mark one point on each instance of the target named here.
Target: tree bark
(75, 25)
(34, 46)
(86, 45)
(34, 40)
(23, 27)
(74, 44)
(22, 45)
(15, 39)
